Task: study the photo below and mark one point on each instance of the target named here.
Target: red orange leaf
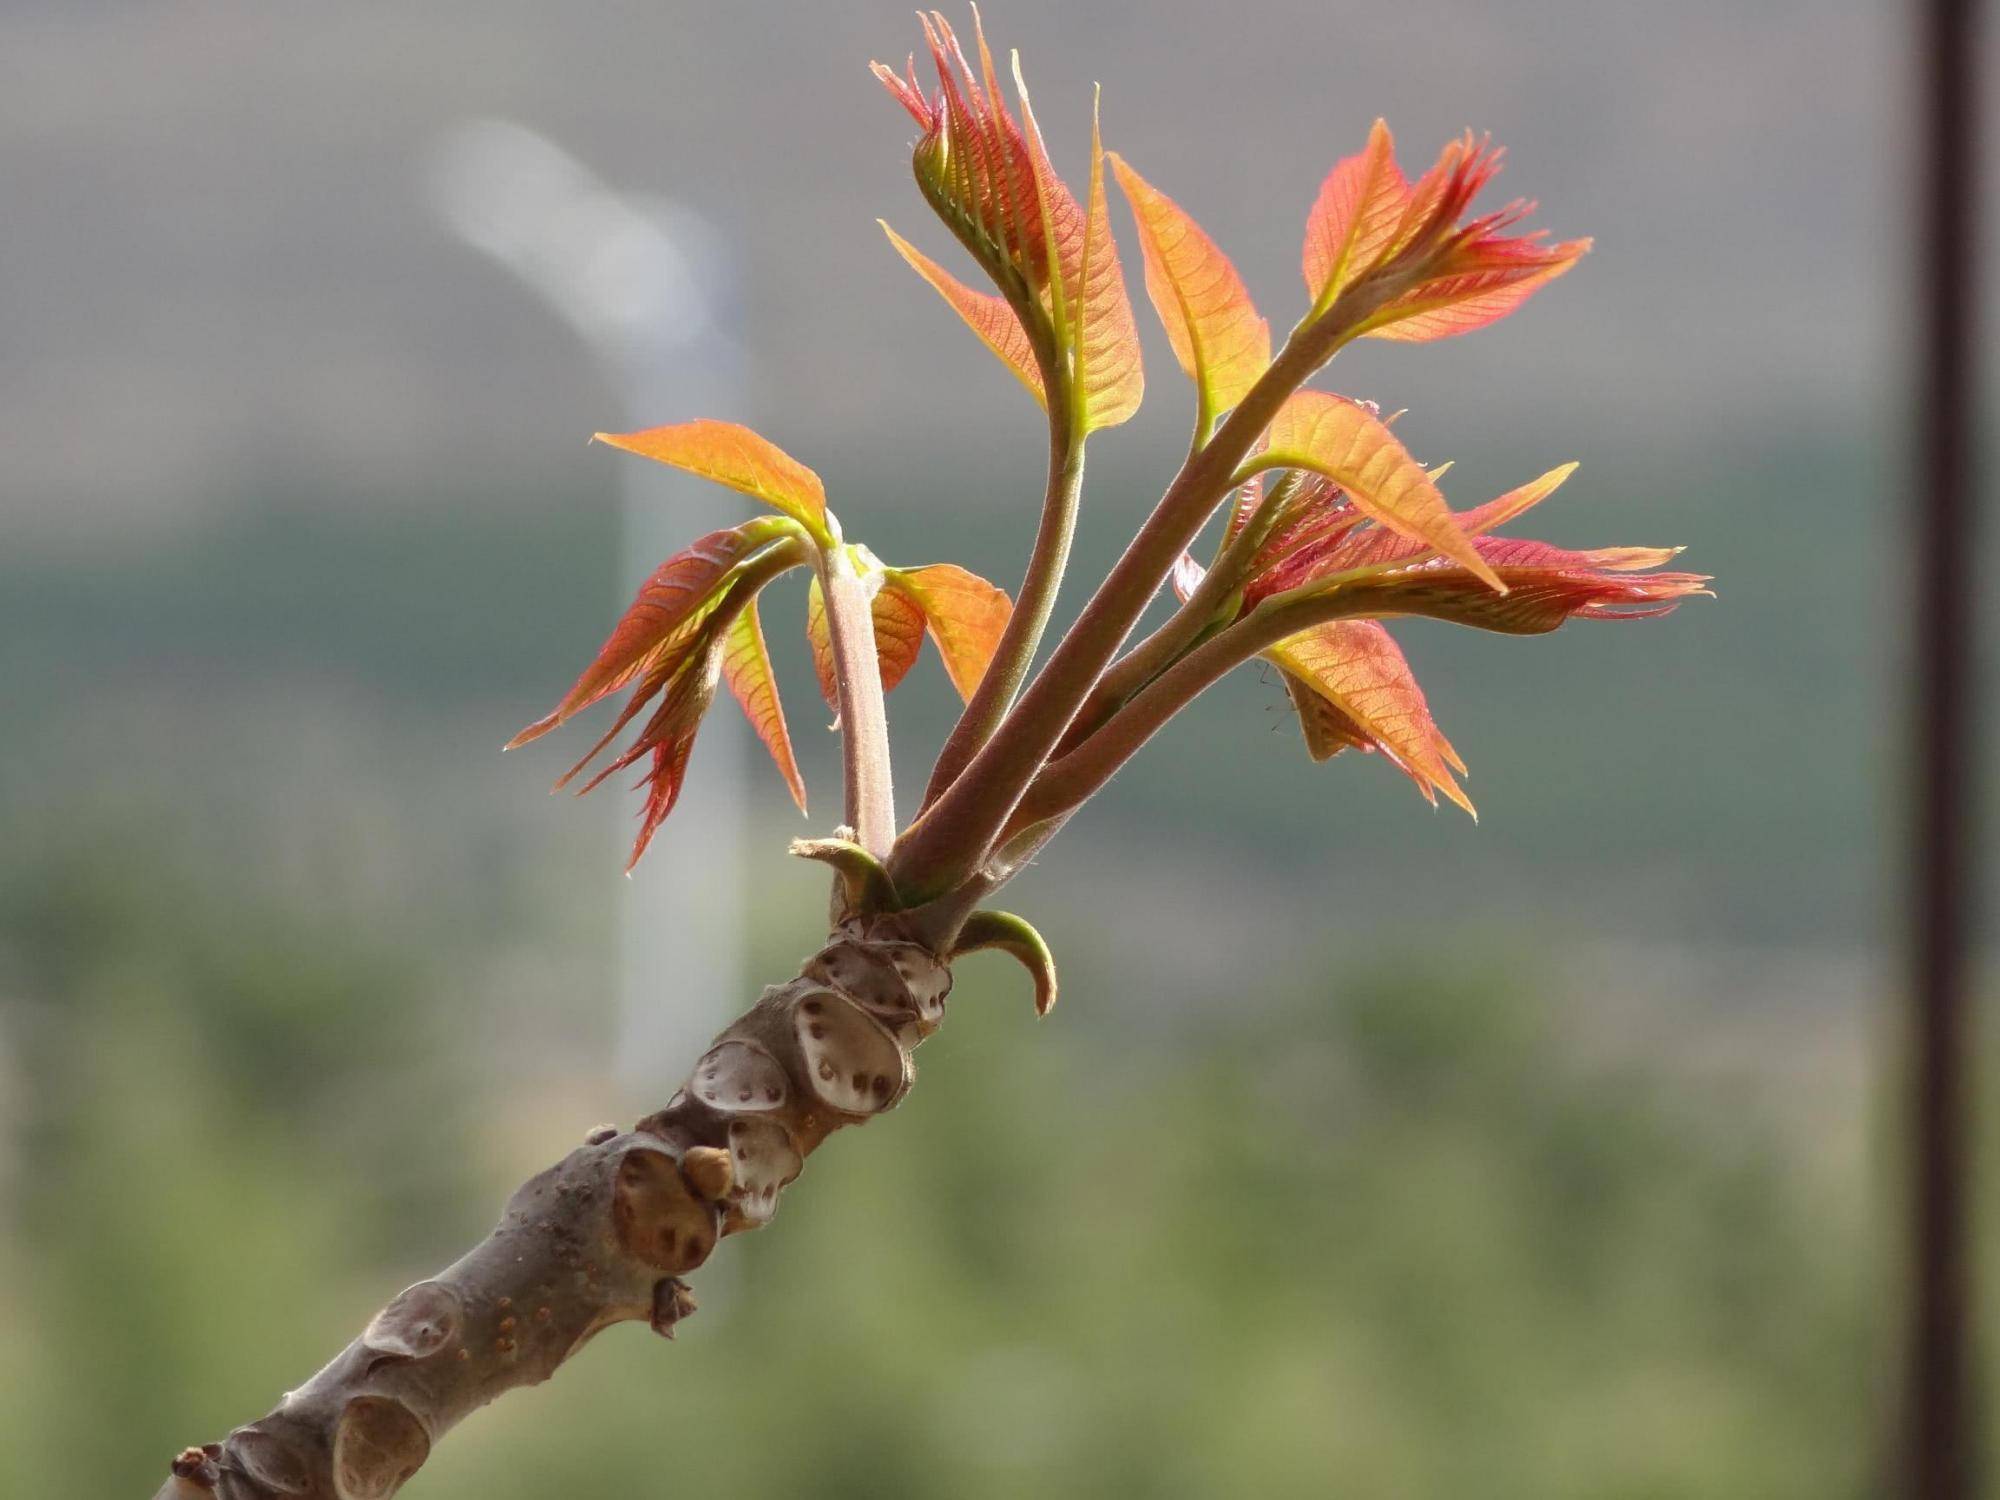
(1320, 545)
(985, 150)
(1328, 731)
(1315, 521)
(1463, 301)
(669, 749)
(819, 643)
(668, 737)
(1546, 586)
(686, 641)
(1353, 689)
(1109, 374)
(1087, 304)
(746, 667)
(1355, 219)
(1442, 194)
(737, 457)
(1248, 498)
(1061, 219)
(1451, 275)
(1350, 445)
(965, 614)
(680, 590)
(991, 181)
(1008, 153)
(1353, 686)
(1211, 323)
(906, 91)
(996, 323)
(899, 633)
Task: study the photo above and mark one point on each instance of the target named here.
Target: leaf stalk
(870, 798)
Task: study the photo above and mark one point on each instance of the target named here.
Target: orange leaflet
(996, 324)
(1461, 301)
(1086, 297)
(1464, 276)
(746, 667)
(1211, 323)
(1352, 686)
(737, 457)
(899, 633)
(1350, 445)
(1354, 221)
(966, 616)
(1006, 153)
(1109, 371)
(1450, 277)
(1061, 218)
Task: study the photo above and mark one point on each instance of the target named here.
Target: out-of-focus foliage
(1391, 1232)
(1395, 1231)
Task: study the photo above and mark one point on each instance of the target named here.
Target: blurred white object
(648, 286)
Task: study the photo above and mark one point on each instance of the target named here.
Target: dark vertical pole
(1938, 1459)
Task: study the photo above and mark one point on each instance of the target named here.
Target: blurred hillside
(1411, 1222)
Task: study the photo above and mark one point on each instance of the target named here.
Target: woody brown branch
(604, 1236)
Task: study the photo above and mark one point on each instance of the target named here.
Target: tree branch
(602, 1237)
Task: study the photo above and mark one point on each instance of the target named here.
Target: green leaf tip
(864, 883)
(1013, 935)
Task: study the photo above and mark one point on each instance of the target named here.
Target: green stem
(1023, 635)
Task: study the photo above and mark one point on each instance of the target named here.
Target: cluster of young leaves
(1348, 681)
(1356, 511)
(1061, 321)
(1330, 521)
(695, 624)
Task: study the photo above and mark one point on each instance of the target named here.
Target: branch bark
(604, 1236)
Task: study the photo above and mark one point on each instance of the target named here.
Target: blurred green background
(1370, 1152)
